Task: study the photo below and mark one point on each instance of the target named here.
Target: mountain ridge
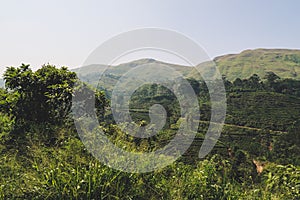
(283, 62)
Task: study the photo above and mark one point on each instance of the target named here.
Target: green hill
(42, 157)
(255, 110)
(283, 62)
(107, 76)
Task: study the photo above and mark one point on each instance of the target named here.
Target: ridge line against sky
(66, 32)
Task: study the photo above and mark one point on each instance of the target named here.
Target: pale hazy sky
(66, 32)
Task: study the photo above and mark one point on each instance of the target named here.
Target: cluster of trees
(35, 107)
(271, 82)
(41, 98)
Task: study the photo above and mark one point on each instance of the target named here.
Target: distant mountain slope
(256, 118)
(285, 63)
(110, 74)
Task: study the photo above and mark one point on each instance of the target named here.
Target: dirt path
(246, 127)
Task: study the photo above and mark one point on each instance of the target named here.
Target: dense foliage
(42, 157)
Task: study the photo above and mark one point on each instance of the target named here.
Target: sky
(64, 33)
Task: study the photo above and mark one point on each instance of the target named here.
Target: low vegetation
(42, 157)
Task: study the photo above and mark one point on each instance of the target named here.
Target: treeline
(270, 82)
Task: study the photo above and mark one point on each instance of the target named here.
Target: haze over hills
(92, 73)
(283, 62)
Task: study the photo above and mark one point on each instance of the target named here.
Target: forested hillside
(42, 156)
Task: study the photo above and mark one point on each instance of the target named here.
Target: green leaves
(44, 96)
(284, 180)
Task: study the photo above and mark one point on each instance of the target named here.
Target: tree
(227, 83)
(100, 103)
(272, 81)
(44, 96)
(271, 77)
(238, 83)
(254, 82)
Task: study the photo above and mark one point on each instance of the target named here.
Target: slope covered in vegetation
(283, 62)
(42, 157)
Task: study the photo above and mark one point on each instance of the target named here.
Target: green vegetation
(283, 62)
(42, 157)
